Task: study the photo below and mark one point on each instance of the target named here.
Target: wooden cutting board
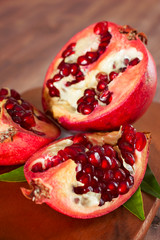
(22, 219)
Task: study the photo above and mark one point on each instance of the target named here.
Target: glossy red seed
(94, 158)
(16, 119)
(49, 83)
(123, 187)
(101, 50)
(112, 186)
(92, 56)
(95, 103)
(79, 138)
(2, 98)
(83, 60)
(106, 37)
(57, 77)
(28, 121)
(85, 179)
(106, 197)
(88, 168)
(108, 175)
(84, 108)
(102, 85)
(97, 148)
(80, 100)
(102, 77)
(130, 180)
(10, 104)
(81, 157)
(112, 75)
(74, 69)
(67, 52)
(105, 97)
(3, 92)
(89, 92)
(26, 106)
(119, 175)
(140, 141)
(101, 28)
(106, 162)
(71, 45)
(109, 151)
(134, 62)
(54, 92)
(79, 76)
(37, 167)
(126, 61)
(15, 94)
(65, 70)
(115, 163)
(89, 99)
(125, 146)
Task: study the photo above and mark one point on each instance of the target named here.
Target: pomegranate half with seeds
(23, 128)
(88, 175)
(103, 77)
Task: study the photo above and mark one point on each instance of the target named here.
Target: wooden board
(23, 219)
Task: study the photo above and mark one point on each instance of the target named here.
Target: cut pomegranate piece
(23, 129)
(89, 182)
(111, 60)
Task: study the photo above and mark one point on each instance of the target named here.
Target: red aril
(23, 129)
(88, 186)
(111, 60)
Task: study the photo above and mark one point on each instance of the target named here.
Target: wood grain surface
(31, 34)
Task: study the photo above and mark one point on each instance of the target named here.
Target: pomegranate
(88, 175)
(103, 77)
(23, 128)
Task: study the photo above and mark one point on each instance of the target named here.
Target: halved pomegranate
(103, 77)
(23, 128)
(88, 175)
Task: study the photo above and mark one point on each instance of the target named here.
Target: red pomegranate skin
(54, 184)
(17, 144)
(126, 106)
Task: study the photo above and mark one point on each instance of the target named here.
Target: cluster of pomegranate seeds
(129, 142)
(100, 168)
(20, 111)
(87, 103)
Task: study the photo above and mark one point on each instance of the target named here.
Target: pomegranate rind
(138, 84)
(18, 144)
(58, 181)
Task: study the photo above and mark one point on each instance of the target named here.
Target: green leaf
(135, 205)
(150, 184)
(16, 175)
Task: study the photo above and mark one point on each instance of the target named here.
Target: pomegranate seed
(71, 45)
(80, 100)
(3, 92)
(79, 138)
(102, 85)
(74, 69)
(112, 75)
(106, 197)
(28, 121)
(123, 187)
(119, 175)
(83, 60)
(54, 92)
(95, 103)
(9, 104)
(65, 70)
(16, 119)
(85, 179)
(98, 149)
(26, 106)
(88, 168)
(115, 163)
(89, 99)
(15, 94)
(85, 109)
(57, 77)
(126, 61)
(106, 37)
(140, 141)
(2, 98)
(82, 157)
(94, 158)
(109, 151)
(92, 56)
(67, 52)
(89, 92)
(130, 181)
(105, 97)
(102, 77)
(37, 167)
(134, 62)
(103, 44)
(101, 28)
(79, 76)
(49, 83)
(106, 163)
(112, 186)
(124, 146)
(108, 175)
(79, 190)
(101, 50)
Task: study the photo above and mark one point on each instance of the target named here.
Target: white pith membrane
(60, 188)
(112, 62)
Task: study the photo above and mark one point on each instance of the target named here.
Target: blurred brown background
(33, 31)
